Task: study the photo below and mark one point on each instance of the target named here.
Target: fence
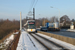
(13, 44)
(59, 37)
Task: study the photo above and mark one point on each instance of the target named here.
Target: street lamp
(59, 14)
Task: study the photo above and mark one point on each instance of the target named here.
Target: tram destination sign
(31, 23)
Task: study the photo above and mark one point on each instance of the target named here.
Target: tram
(30, 26)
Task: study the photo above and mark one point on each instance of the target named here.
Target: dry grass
(7, 36)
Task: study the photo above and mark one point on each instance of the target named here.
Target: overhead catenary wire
(33, 4)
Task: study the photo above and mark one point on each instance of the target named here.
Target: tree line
(65, 21)
(7, 26)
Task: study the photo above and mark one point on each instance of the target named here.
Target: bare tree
(65, 18)
(53, 19)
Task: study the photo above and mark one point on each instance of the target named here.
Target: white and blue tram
(30, 26)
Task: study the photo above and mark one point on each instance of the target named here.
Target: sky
(10, 9)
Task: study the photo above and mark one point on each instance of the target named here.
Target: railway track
(49, 45)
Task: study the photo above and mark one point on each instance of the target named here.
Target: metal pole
(33, 13)
(20, 22)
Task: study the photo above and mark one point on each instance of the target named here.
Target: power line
(32, 5)
(35, 3)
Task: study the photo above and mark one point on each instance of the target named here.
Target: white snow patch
(16, 33)
(9, 39)
(72, 30)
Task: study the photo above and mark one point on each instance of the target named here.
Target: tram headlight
(31, 29)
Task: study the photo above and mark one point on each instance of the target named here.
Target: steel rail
(47, 43)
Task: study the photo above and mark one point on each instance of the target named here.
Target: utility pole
(20, 21)
(33, 13)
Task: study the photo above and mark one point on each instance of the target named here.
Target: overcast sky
(11, 8)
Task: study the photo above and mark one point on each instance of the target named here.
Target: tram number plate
(31, 29)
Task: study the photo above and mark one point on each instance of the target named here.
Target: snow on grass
(6, 42)
(9, 39)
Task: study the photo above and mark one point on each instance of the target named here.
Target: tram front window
(31, 26)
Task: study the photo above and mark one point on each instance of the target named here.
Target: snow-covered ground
(71, 30)
(66, 45)
(27, 42)
(7, 41)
